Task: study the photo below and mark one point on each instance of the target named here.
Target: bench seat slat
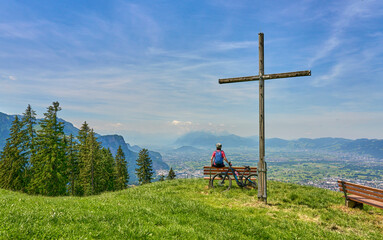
(359, 189)
(226, 168)
(207, 178)
(229, 173)
(207, 170)
(222, 170)
(364, 187)
(366, 201)
(362, 195)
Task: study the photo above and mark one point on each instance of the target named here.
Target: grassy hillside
(187, 209)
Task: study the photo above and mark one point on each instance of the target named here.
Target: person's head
(218, 146)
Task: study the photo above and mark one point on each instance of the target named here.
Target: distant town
(314, 168)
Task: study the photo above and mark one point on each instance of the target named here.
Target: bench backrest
(363, 191)
(207, 170)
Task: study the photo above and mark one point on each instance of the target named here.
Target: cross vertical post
(262, 167)
(262, 188)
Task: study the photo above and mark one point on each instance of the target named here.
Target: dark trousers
(218, 165)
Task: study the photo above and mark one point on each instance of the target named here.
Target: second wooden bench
(356, 195)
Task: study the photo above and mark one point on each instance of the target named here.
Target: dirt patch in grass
(307, 218)
(351, 211)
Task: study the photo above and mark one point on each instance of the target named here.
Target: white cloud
(125, 70)
(117, 125)
(325, 124)
(141, 19)
(329, 45)
(346, 18)
(335, 72)
(22, 30)
(180, 123)
(223, 46)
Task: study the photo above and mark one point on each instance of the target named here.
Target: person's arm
(211, 161)
(224, 158)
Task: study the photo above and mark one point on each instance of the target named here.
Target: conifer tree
(82, 156)
(121, 170)
(13, 161)
(73, 165)
(107, 171)
(144, 171)
(29, 135)
(90, 170)
(171, 174)
(82, 136)
(49, 164)
(162, 178)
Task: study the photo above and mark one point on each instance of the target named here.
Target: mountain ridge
(204, 140)
(112, 142)
(372, 147)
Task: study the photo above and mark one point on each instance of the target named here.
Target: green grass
(187, 209)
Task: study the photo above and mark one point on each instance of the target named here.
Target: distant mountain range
(372, 147)
(6, 123)
(187, 149)
(206, 139)
(108, 141)
(200, 141)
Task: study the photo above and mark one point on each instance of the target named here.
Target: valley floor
(187, 209)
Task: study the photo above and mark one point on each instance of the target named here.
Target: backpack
(218, 157)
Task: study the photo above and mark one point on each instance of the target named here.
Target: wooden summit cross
(262, 168)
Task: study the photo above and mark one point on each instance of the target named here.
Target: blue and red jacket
(218, 157)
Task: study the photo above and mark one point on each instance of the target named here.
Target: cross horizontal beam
(266, 77)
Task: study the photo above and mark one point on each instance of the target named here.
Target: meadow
(187, 209)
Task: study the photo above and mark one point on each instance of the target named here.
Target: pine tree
(162, 178)
(13, 161)
(107, 171)
(82, 136)
(73, 165)
(171, 174)
(144, 171)
(90, 170)
(49, 164)
(121, 170)
(29, 135)
(29, 120)
(82, 156)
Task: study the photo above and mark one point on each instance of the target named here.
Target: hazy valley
(316, 162)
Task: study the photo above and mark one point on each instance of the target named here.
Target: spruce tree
(49, 164)
(29, 133)
(73, 165)
(144, 171)
(82, 156)
(121, 170)
(107, 171)
(162, 178)
(171, 174)
(83, 135)
(90, 168)
(29, 136)
(13, 161)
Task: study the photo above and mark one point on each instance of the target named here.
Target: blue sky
(149, 70)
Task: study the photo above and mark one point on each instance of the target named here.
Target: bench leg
(353, 204)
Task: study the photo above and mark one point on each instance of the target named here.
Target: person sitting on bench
(218, 157)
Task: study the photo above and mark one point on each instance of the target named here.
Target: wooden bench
(356, 195)
(209, 171)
